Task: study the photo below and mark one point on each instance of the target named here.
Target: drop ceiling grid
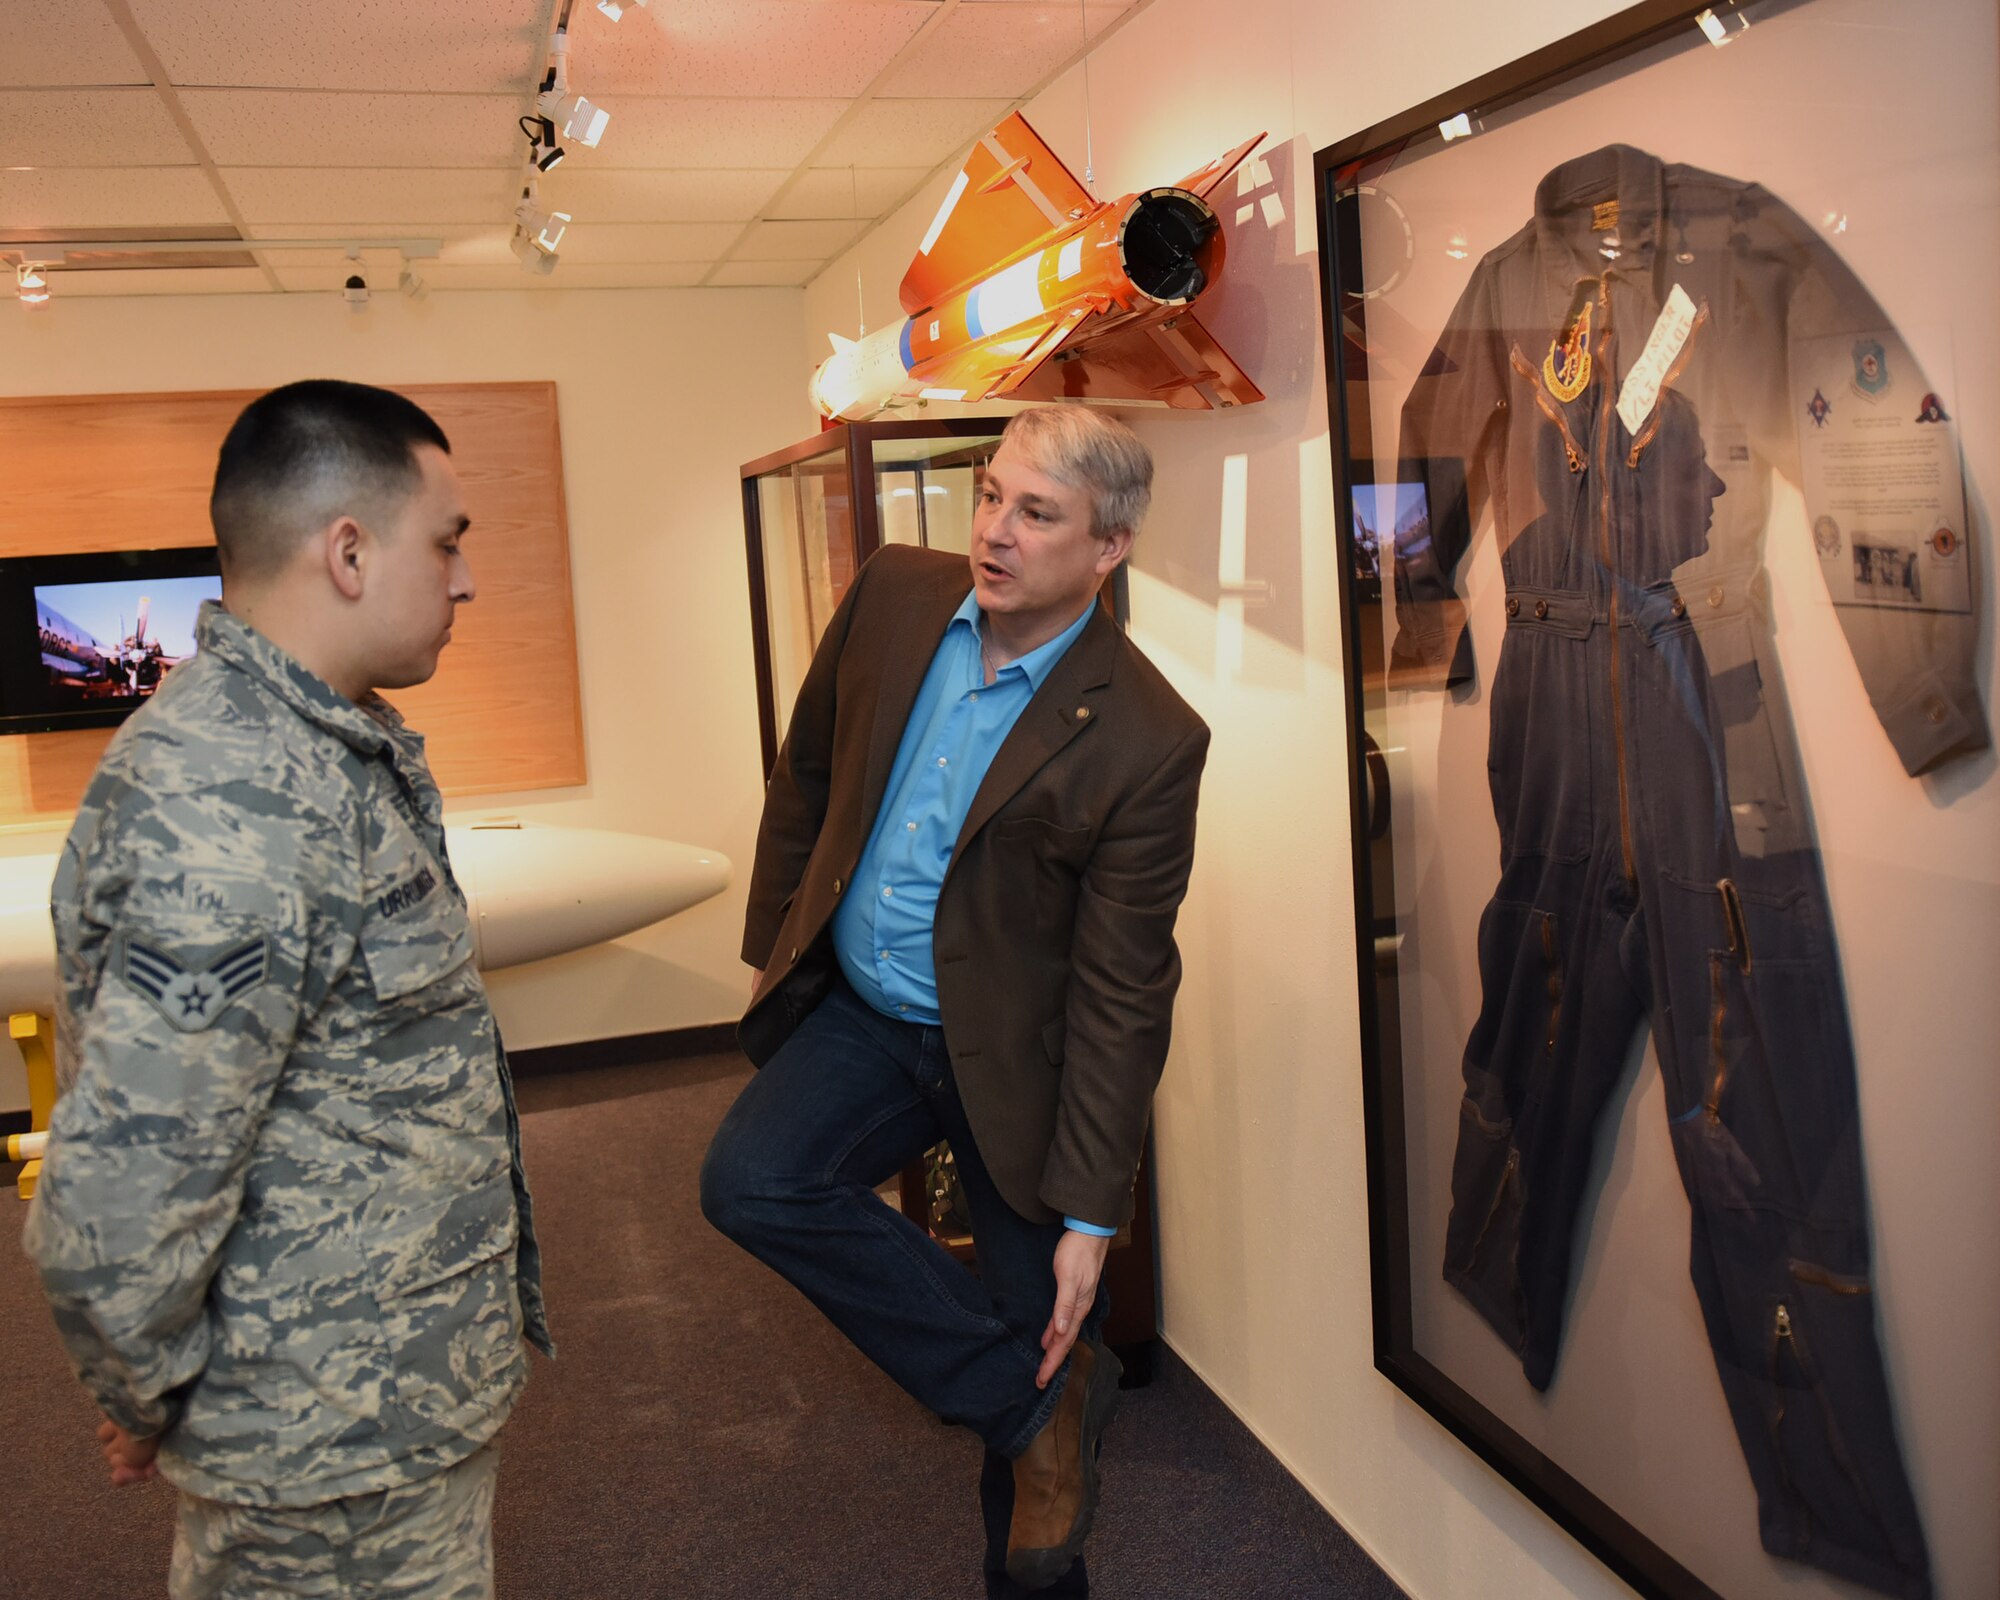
(757, 136)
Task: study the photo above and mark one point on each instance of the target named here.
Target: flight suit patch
(1566, 368)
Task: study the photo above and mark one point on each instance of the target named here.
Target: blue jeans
(848, 1101)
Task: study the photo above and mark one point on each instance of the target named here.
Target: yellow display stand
(36, 1036)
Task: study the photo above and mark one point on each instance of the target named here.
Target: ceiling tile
(109, 197)
(165, 280)
(89, 128)
(764, 274)
(467, 242)
(67, 44)
(568, 275)
(270, 197)
(594, 242)
(914, 132)
(294, 128)
(443, 46)
(867, 192)
(997, 49)
(658, 196)
(712, 133)
(751, 48)
(797, 241)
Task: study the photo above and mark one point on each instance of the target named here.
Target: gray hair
(1085, 449)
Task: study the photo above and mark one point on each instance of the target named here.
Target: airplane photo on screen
(117, 640)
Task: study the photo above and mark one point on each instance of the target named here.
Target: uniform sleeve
(795, 796)
(203, 938)
(1918, 665)
(1450, 422)
(1125, 971)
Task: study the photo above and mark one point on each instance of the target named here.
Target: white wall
(1261, 1168)
(661, 394)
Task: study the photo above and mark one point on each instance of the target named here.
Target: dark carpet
(705, 1436)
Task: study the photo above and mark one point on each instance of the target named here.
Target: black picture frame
(1340, 170)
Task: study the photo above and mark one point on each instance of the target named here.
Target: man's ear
(346, 550)
(1113, 548)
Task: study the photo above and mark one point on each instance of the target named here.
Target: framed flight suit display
(1665, 421)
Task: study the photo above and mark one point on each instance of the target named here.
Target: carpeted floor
(705, 1435)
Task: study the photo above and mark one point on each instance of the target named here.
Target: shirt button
(1715, 595)
(887, 892)
(909, 827)
(943, 762)
(1679, 607)
(902, 1008)
(884, 955)
(974, 695)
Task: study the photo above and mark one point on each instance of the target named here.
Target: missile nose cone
(536, 892)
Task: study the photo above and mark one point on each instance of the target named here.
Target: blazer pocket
(1055, 1037)
(1050, 841)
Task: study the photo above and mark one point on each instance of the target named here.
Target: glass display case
(1661, 370)
(814, 512)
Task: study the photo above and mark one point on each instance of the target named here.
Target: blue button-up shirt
(882, 928)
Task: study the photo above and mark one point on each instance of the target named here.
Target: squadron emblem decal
(194, 999)
(1566, 368)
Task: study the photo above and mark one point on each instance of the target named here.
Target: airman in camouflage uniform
(283, 1223)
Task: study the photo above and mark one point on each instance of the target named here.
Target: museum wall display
(91, 473)
(1664, 445)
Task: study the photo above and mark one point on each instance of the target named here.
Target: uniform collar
(1039, 662)
(370, 726)
(1581, 207)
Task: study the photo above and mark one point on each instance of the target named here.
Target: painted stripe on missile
(943, 216)
(903, 345)
(1006, 299)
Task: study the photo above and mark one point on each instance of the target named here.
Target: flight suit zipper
(1718, 1059)
(1548, 407)
(1604, 376)
(1555, 979)
(1499, 1194)
(1787, 1335)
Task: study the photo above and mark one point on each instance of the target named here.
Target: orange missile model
(1025, 288)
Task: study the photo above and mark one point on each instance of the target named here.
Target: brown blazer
(1054, 935)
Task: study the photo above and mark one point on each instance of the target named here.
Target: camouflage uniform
(283, 1220)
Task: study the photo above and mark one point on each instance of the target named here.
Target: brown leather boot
(1055, 1478)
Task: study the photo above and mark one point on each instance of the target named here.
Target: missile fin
(1012, 191)
(1176, 362)
(839, 344)
(1210, 177)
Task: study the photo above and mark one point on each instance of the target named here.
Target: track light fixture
(614, 9)
(411, 283)
(31, 282)
(543, 151)
(538, 232)
(581, 121)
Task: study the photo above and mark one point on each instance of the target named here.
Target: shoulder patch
(193, 998)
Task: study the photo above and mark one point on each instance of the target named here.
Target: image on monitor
(114, 641)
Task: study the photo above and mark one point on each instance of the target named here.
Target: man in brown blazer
(974, 844)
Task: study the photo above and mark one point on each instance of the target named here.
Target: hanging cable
(1089, 164)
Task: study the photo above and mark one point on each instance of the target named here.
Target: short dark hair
(305, 453)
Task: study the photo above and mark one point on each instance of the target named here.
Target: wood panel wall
(122, 472)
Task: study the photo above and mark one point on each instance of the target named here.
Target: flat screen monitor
(85, 640)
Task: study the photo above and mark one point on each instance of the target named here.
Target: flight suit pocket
(1539, 770)
(450, 1313)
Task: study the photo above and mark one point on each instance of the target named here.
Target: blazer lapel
(1057, 714)
(905, 660)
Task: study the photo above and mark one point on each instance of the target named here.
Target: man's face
(417, 576)
(1034, 557)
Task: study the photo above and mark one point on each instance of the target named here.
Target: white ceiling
(750, 140)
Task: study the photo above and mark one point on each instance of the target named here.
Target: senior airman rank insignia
(1566, 367)
(193, 999)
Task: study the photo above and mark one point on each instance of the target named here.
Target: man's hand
(130, 1459)
(1079, 1264)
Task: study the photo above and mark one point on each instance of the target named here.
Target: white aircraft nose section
(542, 891)
(27, 941)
